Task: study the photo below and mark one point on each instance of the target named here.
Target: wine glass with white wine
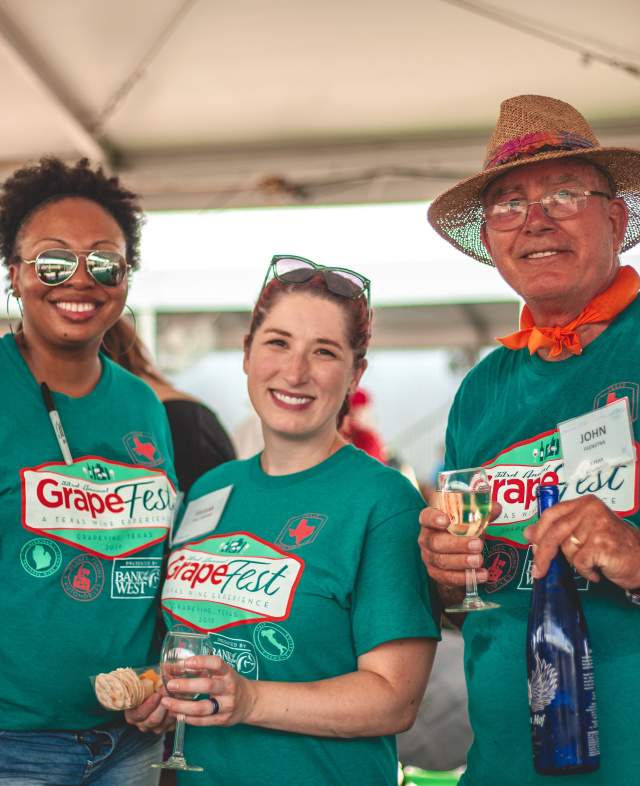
(176, 648)
(466, 498)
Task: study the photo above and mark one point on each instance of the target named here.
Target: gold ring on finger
(576, 541)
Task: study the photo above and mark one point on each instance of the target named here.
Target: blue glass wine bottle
(562, 701)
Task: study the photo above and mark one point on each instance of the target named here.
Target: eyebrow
(278, 331)
(552, 182)
(328, 341)
(64, 242)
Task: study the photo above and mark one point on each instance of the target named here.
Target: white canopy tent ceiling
(207, 104)
(202, 103)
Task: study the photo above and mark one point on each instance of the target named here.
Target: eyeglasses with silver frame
(559, 205)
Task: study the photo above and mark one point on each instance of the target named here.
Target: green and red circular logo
(83, 578)
(501, 562)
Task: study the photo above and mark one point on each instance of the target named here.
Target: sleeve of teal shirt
(391, 598)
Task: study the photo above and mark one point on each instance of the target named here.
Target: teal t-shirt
(81, 546)
(505, 417)
(298, 576)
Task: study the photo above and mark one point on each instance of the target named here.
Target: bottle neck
(559, 571)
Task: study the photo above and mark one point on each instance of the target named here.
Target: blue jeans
(119, 756)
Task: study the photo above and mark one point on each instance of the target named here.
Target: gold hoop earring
(133, 341)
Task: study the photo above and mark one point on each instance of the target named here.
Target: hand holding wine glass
(466, 499)
(177, 647)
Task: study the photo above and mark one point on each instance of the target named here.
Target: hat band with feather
(533, 144)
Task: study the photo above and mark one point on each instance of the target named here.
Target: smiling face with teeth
(300, 368)
(557, 266)
(79, 311)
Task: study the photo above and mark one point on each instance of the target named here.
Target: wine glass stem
(472, 585)
(178, 740)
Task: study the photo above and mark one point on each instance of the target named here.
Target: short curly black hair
(51, 179)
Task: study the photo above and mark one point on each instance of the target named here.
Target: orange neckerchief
(603, 308)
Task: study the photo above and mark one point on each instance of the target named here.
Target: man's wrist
(633, 596)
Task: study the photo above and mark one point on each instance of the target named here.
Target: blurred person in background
(357, 426)
(429, 488)
(200, 442)
(81, 545)
(441, 735)
(324, 654)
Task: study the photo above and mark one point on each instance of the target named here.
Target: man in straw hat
(552, 209)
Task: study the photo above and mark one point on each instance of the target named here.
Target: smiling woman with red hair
(308, 579)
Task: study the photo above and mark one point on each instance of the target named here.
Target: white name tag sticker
(202, 515)
(600, 439)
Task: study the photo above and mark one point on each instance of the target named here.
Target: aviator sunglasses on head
(297, 270)
(56, 265)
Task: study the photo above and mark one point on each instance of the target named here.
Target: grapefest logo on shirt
(101, 507)
(211, 586)
(516, 472)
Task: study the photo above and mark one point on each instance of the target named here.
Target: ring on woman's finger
(576, 541)
(215, 709)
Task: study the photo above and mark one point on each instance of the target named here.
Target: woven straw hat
(530, 129)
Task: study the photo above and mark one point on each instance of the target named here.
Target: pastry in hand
(123, 689)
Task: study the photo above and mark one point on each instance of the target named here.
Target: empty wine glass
(466, 499)
(176, 648)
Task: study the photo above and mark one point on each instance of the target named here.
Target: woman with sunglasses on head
(85, 484)
(301, 565)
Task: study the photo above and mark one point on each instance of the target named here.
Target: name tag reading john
(600, 439)
(202, 515)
